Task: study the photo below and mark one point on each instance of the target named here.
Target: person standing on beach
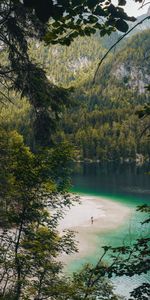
(92, 220)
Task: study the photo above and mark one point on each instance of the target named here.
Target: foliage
(22, 21)
(34, 185)
(31, 208)
(101, 122)
(125, 260)
(91, 285)
(22, 75)
(33, 198)
(69, 19)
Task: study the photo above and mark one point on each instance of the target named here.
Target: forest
(52, 114)
(102, 121)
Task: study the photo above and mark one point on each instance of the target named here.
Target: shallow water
(127, 184)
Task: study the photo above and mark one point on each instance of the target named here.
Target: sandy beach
(107, 215)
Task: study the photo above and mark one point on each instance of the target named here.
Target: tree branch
(7, 15)
(144, 4)
(5, 97)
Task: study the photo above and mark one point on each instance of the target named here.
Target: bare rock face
(80, 63)
(132, 76)
(131, 65)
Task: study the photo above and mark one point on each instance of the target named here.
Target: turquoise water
(129, 185)
(125, 234)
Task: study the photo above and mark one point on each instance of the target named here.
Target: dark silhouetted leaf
(122, 2)
(121, 25)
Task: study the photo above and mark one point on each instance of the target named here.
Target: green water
(129, 185)
(124, 235)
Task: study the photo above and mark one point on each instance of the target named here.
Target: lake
(124, 183)
(131, 183)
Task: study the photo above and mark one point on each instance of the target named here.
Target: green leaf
(92, 3)
(100, 12)
(122, 2)
(121, 25)
(92, 19)
(50, 36)
(56, 24)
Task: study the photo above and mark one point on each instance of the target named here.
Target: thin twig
(90, 282)
(144, 4)
(6, 97)
(144, 130)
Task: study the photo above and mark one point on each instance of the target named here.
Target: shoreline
(107, 216)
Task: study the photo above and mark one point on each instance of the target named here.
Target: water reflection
(115, 179)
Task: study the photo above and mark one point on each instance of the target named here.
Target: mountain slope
(103, 125)
(121, 81)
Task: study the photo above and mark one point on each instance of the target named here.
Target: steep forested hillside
(129, 68)
(69, 65)
(102, 124)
